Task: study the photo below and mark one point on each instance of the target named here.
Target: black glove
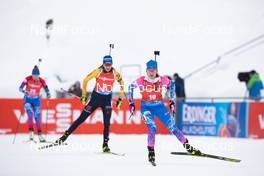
(83, 99)
(172, 105)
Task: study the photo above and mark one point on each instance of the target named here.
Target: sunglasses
(108, 64)
(151, 69)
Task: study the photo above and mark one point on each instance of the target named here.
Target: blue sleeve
(21, 88)
(172, 91)
(47, 90)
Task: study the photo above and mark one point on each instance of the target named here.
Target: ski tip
(208, 156)
(153, 163)
(232, 160)
(51, 145)
(111, 153)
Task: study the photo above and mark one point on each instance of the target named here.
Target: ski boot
(62, 138)
(105, 146)
(151, 155)
(31, 134)
(41, 138)
(190, 149)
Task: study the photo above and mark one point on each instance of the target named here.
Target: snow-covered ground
(80, 157)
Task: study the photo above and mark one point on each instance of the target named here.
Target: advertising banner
(256, 120)
(59, 114)
(212, 119)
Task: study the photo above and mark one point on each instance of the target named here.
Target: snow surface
(80, 157)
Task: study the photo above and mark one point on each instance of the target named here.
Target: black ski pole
(39, 61)
(132, 114)
(156, 53)
(111, 47)
(71, 94)
(47, 113)
(49, 27)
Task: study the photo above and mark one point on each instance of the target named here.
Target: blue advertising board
(212, 119)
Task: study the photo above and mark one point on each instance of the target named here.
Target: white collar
(152, 80)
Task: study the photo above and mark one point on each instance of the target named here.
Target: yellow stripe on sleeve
(90, 76)
(119, 79)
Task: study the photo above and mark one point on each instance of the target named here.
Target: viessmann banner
(59, 114)
(212, 119)
(256, 120)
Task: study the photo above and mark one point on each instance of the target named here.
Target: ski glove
(131, 107)
(172, 106)
(48, 95)
(25, 92)
(83, 99)
(118, 103)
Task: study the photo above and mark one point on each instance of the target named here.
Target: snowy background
(189, 34)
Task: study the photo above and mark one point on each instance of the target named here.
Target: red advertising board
(59, 114)
(256, 120)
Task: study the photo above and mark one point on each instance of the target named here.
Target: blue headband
(107, 59)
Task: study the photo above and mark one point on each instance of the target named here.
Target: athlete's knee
(88, 109)
(171, 126)
(152, 128)
(83, 116)
(28, 107)
(37, 112)
(147, 118)
(108, 110)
